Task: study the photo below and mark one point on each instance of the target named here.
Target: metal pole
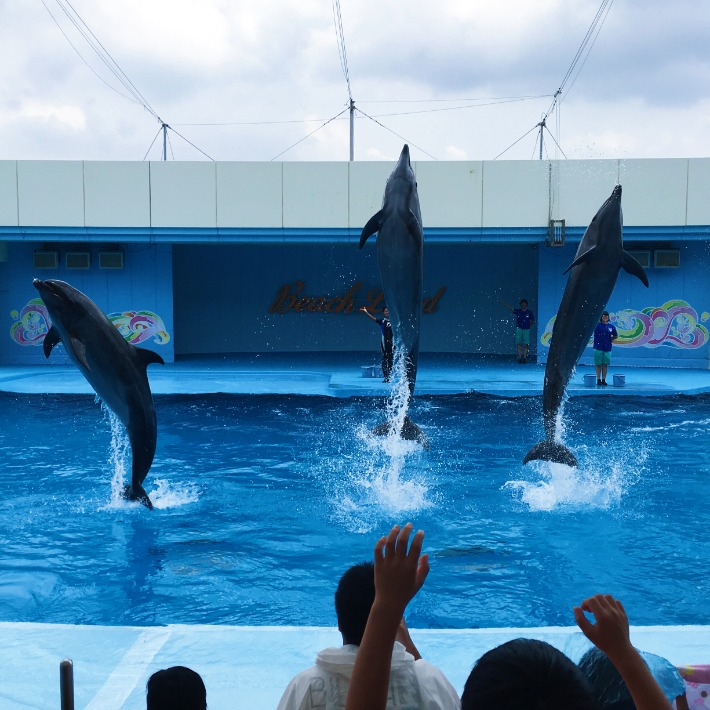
(66, 684)
(542, 128)
(352, 130)
(165, 137)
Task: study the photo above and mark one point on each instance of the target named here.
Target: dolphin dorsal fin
(374, 224)
(79, 350)
(50, 340)
(147, 357)
(580, 259)
(631, 266)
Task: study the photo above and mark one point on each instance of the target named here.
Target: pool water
(261, 502)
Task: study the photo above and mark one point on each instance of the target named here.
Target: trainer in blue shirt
(604, 334)
(523, 321)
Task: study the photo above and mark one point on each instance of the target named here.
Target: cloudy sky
(457, 79)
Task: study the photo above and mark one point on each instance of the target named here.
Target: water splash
(397, 404)
(600, 482)
(171, 495)
(386, 478)
(380, 479)
(166, 495)
(119, 456)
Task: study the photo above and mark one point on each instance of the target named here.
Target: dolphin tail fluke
(631, 266)
(410, 432)
(551, 451)
(137, 492)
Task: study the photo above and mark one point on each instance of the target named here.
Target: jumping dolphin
(592, 278)
(113, 367)
(400, 242)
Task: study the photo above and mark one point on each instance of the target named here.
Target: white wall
(457, 194)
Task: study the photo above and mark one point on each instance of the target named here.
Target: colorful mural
(138, 326)
(32, 324)
(675, 324)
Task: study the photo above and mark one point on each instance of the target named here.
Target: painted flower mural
(138, 326)
(32, 324)
(675, 324)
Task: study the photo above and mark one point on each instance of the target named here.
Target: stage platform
(341, 375)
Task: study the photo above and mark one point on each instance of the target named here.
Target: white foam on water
(173, 495)
(600, 482)
(382, 478)
(166, 495)
(703, 423)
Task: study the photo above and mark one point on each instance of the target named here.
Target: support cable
(396, 134)
(591, 35)
(310, 134)
(152, 143)
(112, 65)
(340, 38)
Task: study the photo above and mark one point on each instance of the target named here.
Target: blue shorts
(602, 357)
(522, 336)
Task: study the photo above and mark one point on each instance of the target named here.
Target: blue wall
(663, 325)
(233, 298)
(227, 297)
(143, 285)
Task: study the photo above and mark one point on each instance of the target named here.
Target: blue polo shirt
(603, 335)
(523, 318)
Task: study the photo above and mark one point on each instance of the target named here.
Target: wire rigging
(78, 53)
(593, 31)
(340, 37)
(396, 134)
(310, 134)
(103, 54)
(112, 65)
(591, 36)
(151, 145)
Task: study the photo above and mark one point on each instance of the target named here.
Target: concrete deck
(341, 375)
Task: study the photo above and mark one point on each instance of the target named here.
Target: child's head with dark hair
(353, 600)
(176, 688)
(525, 673)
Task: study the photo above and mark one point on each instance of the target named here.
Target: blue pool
(262, 501)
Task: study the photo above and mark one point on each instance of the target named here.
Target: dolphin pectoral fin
(50, 340)
(414, 228)
(551, 451)
(136, 492)
(580, 259)
(79, 350)
(631, 266)
(147, 357)
(374, 224)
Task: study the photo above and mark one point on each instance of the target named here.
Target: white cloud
(640, 93)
